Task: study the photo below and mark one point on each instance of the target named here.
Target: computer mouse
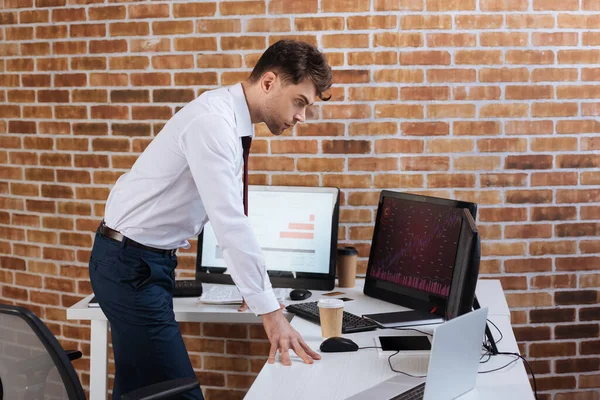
(337, 345)
(300, 294)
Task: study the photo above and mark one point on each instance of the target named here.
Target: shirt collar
(242, 113)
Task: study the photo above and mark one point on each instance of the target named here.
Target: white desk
(336, 376)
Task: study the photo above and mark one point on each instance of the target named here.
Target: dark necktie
(246, 142)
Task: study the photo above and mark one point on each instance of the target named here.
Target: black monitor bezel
(466, 269)
(303, 280)
(392, 293)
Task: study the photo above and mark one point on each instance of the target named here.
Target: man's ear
(268, 81)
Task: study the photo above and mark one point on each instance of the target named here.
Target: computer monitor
(414, 248)
(297, 229)
(466, 269)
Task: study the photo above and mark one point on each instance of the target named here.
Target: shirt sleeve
(210, 149)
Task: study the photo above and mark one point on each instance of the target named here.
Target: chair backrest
(33, 364)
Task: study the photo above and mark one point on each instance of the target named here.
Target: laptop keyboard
(415, 393)
(350, 322)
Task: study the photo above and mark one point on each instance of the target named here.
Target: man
(189, 174)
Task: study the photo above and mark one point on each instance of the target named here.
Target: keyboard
(416, 393)
(229, 294)
(187, 288)
(350, 322)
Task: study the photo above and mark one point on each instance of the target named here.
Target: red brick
(553, 179)
(477, 57)
(398, 181)
(578, 161)
(428, 163)
(398, 5)
(505, 5)
(424, 128)
(578, 196)
(502, 249)
(503, 110)
(357, 22)
(529, 299)
(425, 93)
(372, 93)
(451, 40)
(553, 213)
(579, 56)
(409, 111)
(345, 5)
(425, 58)
(503, 75)
(428, 22)
(555, 281)
(530, 57)
(577, 263)
(357, 111)
(399, 75)
(529, 162)
(528, 265)
(354, 129)
(478, 21)
(450, 180)
(529, 92)
(483, 197)
(554, 247)
(364, 58)
(449, 145)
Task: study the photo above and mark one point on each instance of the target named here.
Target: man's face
(286, 104)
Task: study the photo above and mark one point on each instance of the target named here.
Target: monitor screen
(296, 228)
(414, 250)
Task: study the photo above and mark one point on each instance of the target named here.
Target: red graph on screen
(300, 230)
(416, 245)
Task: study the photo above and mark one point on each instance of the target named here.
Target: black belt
(119, 237)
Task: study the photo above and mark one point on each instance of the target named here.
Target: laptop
(453, 364)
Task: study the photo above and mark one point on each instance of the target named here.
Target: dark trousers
(134, 287)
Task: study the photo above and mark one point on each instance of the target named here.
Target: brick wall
(492, 101)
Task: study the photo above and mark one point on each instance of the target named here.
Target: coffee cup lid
(330, 303)
(347, 251)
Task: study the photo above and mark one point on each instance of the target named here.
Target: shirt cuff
(263, 303)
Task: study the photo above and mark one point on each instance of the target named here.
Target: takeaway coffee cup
(346, 266)
(331, 312)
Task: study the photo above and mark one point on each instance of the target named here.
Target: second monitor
(415, 250)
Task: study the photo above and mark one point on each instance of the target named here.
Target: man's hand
(283, 338)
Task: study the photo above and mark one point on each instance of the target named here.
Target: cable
(390, 362)
(499, 331)
(490, 354)
(413, 329)
(528, 366)
(402, 372)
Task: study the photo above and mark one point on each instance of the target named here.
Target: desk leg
(99, 360)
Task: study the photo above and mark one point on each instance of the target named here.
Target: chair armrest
(163, 390)
(73, 354)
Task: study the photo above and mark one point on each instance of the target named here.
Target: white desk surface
(336, 376)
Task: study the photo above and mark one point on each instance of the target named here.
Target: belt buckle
(172, 252)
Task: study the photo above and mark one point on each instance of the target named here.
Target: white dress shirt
(189, 174)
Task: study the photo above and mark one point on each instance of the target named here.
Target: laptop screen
(296, 228)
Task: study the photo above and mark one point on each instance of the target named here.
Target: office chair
(34, 366)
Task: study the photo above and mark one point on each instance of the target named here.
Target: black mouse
(300, 294)
(337, 345)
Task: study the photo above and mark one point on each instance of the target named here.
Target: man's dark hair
(295, 61)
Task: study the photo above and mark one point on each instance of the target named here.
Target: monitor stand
(488, 333)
